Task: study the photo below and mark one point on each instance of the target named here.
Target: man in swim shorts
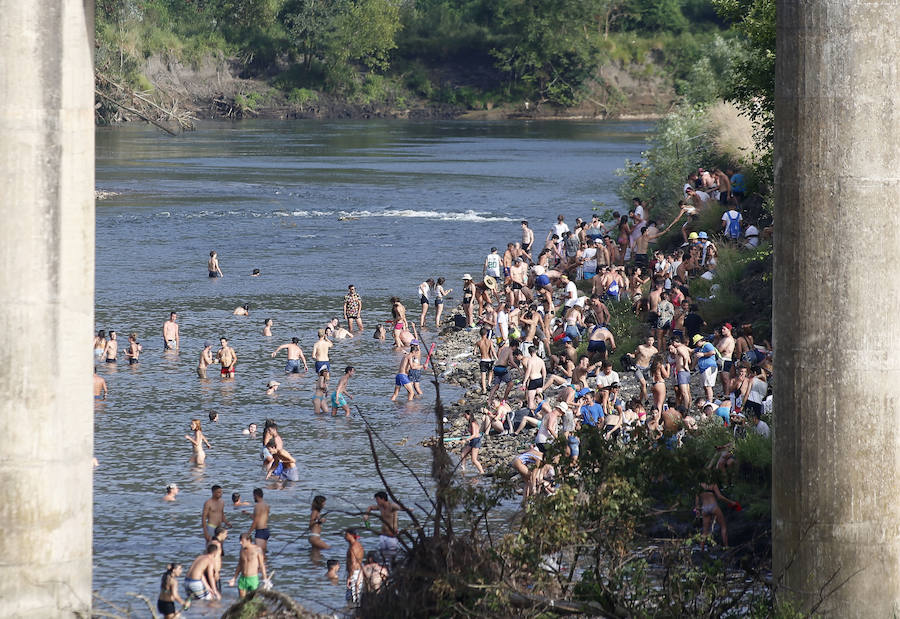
(534, 375)
(227, 358)
(355, 555)
(294, 356)
(250, 563)
(415, 367)
(388, 545)
(402, 379)
(200, 579)
(213, 513)
(320, 351)
(170, 332)
(260, 522)
(340, 394)
(484, 350)
(100, 389)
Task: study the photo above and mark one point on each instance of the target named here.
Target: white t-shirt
(704, 197)
(492, 265)
(639, 212)
(762, 428)
(571, 294)
(605, 380)
(728, 217)
(503, 324)
(560, 228)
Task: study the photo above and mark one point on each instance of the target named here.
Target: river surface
(419, 200)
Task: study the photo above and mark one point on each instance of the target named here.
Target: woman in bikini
(424, 290)
(316, 518)
(168, 591)
(439, 293)
(199, 456)
(320, 400)
(659, 371)
(100, 343)
(706, 505)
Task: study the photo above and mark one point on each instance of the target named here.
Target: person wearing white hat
(272, 387)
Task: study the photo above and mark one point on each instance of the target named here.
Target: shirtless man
(241, 310)
(200, 579)
(294, 356)
(505, 361)
(320, 351)
(373, 573)
(599, 309)
(213, 265)
(133, 352)
(682, 355)
(527, 238)
(518, 274)
(724, 343)
(227, 358)
(600, 343)
(387, 539)
(170, 333)
(206, 359)
(213, 513)
(267, 327)
(402, 379)
(484, 350)
(250, 563)
(100, 389)
(340, 394)
(353, 308)
(534, 376)
(355, 554)
(260, 522)
(414, 371)
(112, 348)
(642, 356)
(398, 311)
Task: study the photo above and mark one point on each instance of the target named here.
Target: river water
(419, 200)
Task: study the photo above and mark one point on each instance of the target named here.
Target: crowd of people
(534, 307)
(537, 305)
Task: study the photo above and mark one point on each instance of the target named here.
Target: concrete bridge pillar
(46, 306)
(836, 498)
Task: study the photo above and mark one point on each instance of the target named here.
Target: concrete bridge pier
(836, 495)
(46, 306)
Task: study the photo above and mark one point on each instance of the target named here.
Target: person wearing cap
(272, 387)
(294, 356)
(724, 343)
(705, 361)
(171, 492)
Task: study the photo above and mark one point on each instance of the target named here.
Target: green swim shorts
(248, 583)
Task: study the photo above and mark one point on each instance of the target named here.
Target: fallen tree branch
(135, 112)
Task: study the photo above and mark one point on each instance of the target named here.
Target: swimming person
(294, 356)
(199, 456)
(213, 265)
(267, 327)
(340, 394)
(316, 518)
(171, 492)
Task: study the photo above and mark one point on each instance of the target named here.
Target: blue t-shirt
(591, 415)
(737, 183)
(707, 362)
(725, 413)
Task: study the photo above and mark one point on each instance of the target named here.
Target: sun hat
(703, 235)
(272, 383)
(563, 407)
(466, 276)
(490, 282)
(692, 236)
(697, 337)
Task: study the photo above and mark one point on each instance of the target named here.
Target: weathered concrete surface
(836, 499)
(46, 306)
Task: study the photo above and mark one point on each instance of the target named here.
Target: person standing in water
(170, 332)
(213, 265)
(267, 327)
(439, 293)
(168, 591)
(227, 358)
(340, 394)
(213, 513)
(353, 308)
(206, 359)
(100, 389)
(316, 518)
(133, 352)
(320, 351)
(355, 555)
(112, 348)
(99, 343)
(199, 456)
(250, 563)
(260, 522)
(320, 404)
(388, 545)
(294, 356)
(424, 292)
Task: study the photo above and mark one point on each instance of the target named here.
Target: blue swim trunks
(322, 364)
(401, 379)
(415, 376)
(292, 366)
(339, 401)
